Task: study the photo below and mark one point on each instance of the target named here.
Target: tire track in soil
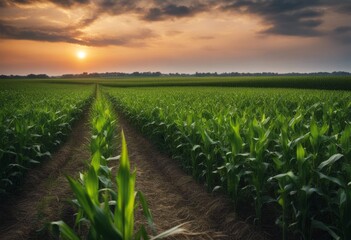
(43, 196)
(175, 198)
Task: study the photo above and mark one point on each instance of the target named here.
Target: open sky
(45, 36)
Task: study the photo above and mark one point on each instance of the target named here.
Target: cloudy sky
(44, 36)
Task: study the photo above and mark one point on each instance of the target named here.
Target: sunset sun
(81, 54)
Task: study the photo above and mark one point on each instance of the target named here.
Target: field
(304, 82)
(276, 151)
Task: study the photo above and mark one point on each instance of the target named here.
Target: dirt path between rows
(175, 198)
(44, 195)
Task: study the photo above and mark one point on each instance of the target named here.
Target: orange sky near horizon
(42, 37)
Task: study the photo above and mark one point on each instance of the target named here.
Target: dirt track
(175, 198)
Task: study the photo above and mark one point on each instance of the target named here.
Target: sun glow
(81, 54)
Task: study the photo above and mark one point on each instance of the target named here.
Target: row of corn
(34, 120)
(286, 152)
(106, 204)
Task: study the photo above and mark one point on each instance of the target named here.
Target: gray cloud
(300, 23)
(70, 35)
(172, 11)
(42, 34)
(297, 18)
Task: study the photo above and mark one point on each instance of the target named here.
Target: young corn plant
(286, 183)
(209, 150)
(108, 213)
(257, 166)
(105, 212)
(232, 171)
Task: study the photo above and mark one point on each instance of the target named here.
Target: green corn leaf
(146, 210)
(331, 179)
(104, 225)
(300, 153)
(82, 197)
(298, 140)
(91, 184)
(314, 129)
(95, 161)
(124, 213)
(66, 232)
(330, 161)
(141, 234)
(289, 174)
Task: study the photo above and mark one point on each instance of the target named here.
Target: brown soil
(175, 198)
(45, 194)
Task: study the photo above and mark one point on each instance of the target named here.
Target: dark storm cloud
(69, 35)
(300, 23)
(172, 11)
(285, 17)
(114, 7)
(298, 17)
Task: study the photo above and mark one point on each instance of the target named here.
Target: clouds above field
(229, 28)
(280, 17)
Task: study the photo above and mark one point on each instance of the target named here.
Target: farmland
(281, 155)
(304, 82)
(257, 146)
(34, 121)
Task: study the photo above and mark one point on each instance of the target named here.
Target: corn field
(282, 154)
(34, 120)
(289, 150)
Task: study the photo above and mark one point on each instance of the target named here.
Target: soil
(45, 194)
(175, 198)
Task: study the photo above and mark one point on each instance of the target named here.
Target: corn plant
(109, 213)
